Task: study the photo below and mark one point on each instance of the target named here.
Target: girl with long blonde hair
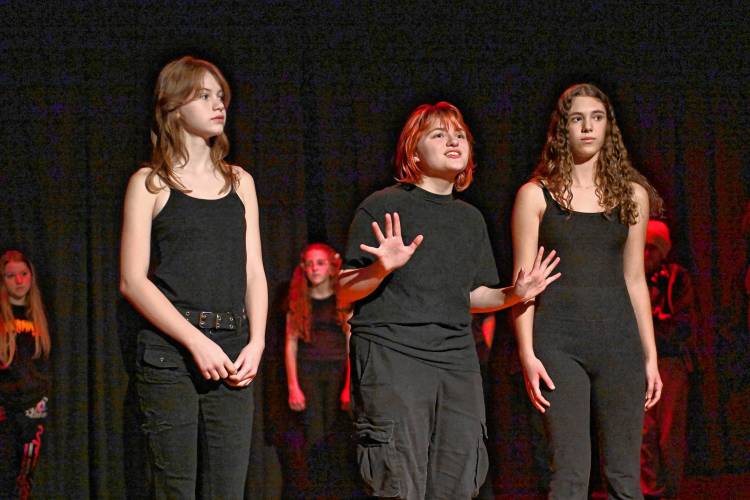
(24, 378)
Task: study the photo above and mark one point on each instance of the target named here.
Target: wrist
(526, 355)
(381, 270)
(259, 345)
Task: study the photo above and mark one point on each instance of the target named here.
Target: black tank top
(198, 248)
(590, 246)
(327, 339)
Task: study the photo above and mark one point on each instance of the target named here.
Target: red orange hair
(299, 318)
(407, 170)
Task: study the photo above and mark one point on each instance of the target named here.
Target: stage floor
(724, 486)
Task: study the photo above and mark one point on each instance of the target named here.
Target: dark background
(320, 91)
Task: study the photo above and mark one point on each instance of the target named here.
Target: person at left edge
(24, 374)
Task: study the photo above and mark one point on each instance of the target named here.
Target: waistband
(228, 320)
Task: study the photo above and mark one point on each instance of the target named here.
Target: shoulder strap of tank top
(547, 195)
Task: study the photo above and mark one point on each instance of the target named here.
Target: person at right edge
(672, 306)
(587, 346)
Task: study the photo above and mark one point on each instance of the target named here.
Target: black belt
(215, 320)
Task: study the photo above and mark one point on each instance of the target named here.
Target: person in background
(317, 372)
(24, 374)
(483, 329)
(664, 428)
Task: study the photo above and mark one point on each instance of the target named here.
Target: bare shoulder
(245, 187)
(530, 196)
(138, 180)
(640, 195)
(246, 181)
(531, 190)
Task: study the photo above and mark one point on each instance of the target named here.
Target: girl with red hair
(416, 384)
(317, 376)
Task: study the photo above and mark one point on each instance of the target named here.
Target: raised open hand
(528, 286)
(391, 252)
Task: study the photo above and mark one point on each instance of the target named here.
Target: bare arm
(527, 214)
(145, 296)
(391, 253)
(635, 280)
(525, 288)
(296, 396)
(346, 402)
(256, 294)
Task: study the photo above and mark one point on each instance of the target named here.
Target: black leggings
(598, 370)
(20, 443)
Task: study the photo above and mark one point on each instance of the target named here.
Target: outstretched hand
(528, 286)
(391, 251)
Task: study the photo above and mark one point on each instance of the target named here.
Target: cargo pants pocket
(378, 460)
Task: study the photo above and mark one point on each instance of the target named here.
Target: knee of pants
(460, 475)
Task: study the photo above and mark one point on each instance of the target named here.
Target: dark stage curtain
(320, 91)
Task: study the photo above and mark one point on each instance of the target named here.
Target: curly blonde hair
(613, 174)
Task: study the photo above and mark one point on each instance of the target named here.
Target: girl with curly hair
(191, 264)
(24, 379)
(317, 374)
(587, 346)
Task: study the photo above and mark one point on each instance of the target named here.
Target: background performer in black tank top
(316, 463)
(591, 338)
(193, 218)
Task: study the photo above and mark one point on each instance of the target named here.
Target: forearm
(523, 324)
(639, 298)
(356, 284)
(485, 299)
(290, 362)
(156, 308)
(256, 303)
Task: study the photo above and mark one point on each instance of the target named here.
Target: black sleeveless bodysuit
(586, 336)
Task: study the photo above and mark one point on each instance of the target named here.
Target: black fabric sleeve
(360, 232)
(486, 271)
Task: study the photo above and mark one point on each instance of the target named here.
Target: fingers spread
(377, 232)
(416, 242)
(539, 255)
(388, 226)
